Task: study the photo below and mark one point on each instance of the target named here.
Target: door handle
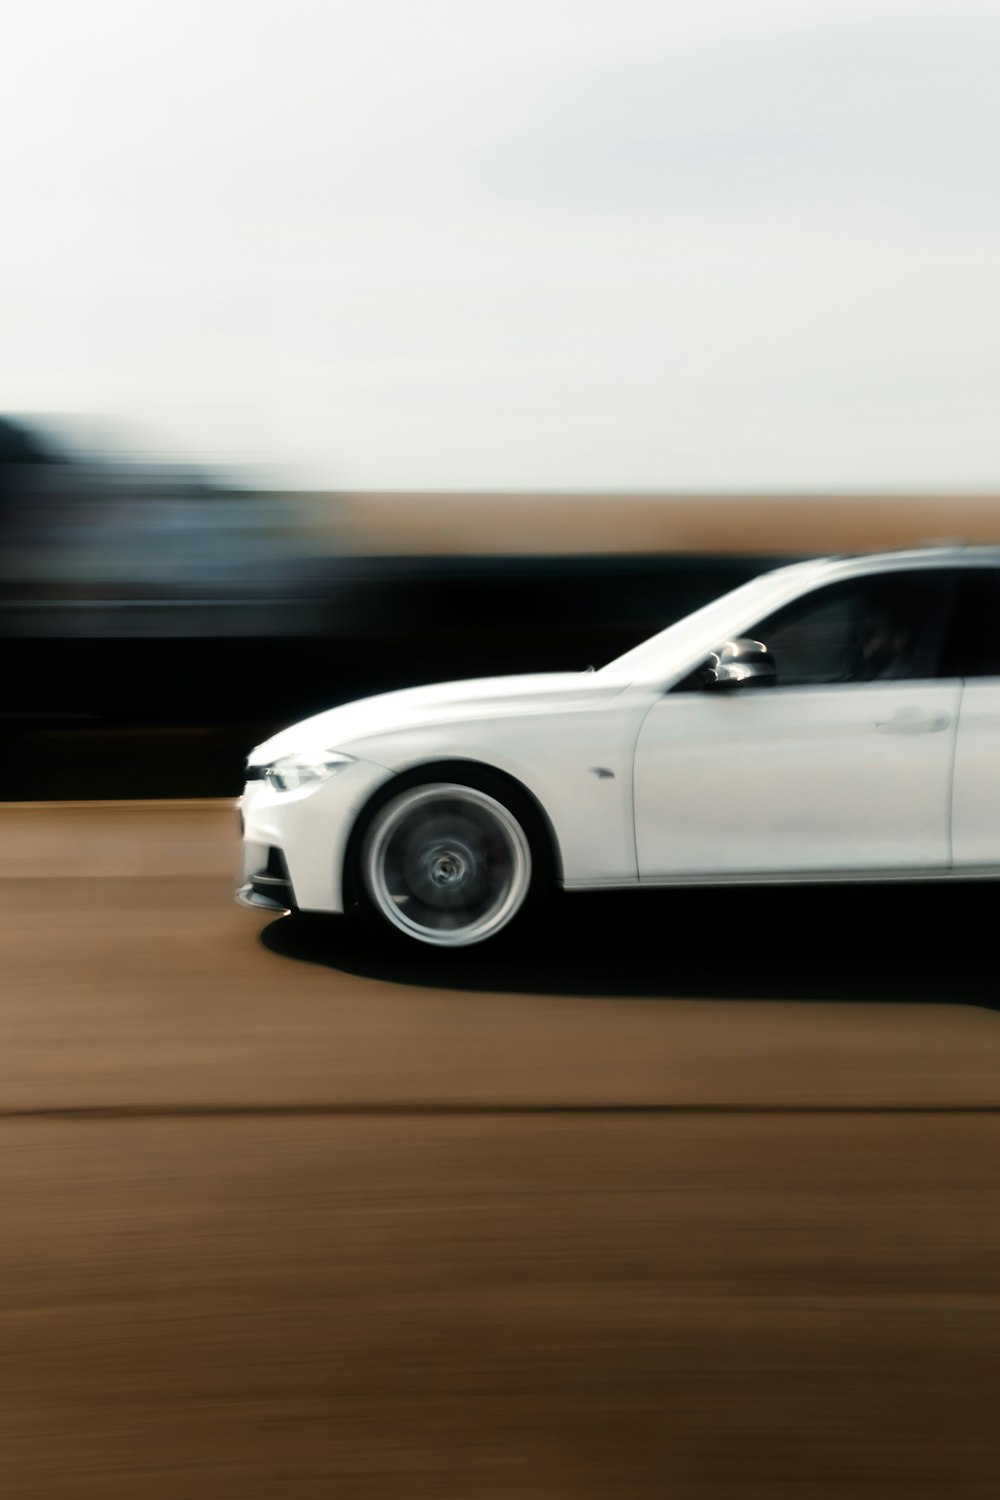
(914, 723)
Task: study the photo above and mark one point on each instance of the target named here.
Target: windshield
(711, 621)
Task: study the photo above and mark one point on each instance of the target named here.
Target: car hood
(442, 703)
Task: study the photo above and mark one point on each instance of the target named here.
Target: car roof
(954, 555)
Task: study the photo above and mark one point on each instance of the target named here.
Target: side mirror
(740, 663)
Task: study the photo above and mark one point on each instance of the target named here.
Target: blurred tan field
(572, 523)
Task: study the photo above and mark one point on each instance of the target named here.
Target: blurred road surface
(698, 1199)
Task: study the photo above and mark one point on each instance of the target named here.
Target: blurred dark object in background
(26, 471)
(156, 621)
(103, 545)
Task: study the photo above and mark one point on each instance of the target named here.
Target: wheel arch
(455, 768)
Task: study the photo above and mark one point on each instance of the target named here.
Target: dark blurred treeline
(150, 714)
(155, 625)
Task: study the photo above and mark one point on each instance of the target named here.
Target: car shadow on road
(925, 944)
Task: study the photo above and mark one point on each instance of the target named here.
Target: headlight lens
(294, 771)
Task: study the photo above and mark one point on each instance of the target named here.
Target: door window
(889, 627)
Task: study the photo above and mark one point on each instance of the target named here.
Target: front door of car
(843, 765)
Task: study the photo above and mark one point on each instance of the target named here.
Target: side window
(973, 646)
(887, 627)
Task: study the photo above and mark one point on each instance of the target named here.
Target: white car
(443, 813)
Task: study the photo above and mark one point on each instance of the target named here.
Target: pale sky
(636, 244)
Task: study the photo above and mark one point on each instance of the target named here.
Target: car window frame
(953, 573)
(956, 651)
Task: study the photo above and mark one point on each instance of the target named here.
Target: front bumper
(294, 843)
(248, 895)
(269, 889)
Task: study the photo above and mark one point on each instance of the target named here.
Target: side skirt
(796, 877)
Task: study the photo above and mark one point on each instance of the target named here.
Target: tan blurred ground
(301, 1224)
(554, 523)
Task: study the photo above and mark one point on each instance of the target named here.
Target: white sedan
(444, 813)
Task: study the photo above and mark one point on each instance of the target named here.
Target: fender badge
(602, 773)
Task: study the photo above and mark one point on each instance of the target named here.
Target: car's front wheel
(447, 863)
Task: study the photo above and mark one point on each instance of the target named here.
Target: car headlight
(294, 771)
